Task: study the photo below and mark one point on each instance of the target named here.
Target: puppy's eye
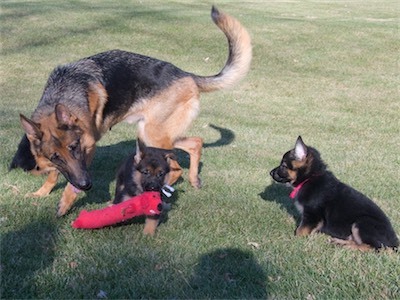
(160, 174)
(145, 172)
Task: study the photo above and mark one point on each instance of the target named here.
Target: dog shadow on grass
(24, 254)
(279, 193)
(229, 273)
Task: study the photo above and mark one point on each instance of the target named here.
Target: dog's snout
(152, 186)
(271, 173)
(84, 184)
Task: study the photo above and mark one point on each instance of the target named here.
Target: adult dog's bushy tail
(238, 63)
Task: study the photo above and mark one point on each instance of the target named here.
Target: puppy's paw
(149, 232)
(303, 231)
(150, 226)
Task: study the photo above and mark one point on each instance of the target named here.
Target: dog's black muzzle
(84, 182)
(152, 186)
(275, 176)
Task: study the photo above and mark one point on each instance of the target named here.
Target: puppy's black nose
(271, 173)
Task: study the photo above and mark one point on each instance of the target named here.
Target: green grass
(327, 70)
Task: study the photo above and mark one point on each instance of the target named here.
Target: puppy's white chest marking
(299, 207)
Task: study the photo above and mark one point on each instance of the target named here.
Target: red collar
(297, 189)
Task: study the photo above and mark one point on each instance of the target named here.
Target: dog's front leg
(307, 227)
(67, 200)
(70, 193)
(193, 146)
(151, 225)
(47, 187)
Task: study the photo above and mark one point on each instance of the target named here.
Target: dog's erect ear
(300, 149)
(140, 150)
(32, 129)
(64, 116)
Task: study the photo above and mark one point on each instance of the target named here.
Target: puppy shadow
(230, 273)
(279, 193)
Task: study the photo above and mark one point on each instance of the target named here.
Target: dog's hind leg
(166, 118)
(354, 241)
(47, 186)
(349, 244)
(193, 146)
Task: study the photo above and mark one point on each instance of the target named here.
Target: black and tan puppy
(147, 170)
(330, 206)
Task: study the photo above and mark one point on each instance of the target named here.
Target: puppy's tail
(240, 53)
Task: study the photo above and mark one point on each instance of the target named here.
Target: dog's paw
(196, 183)
(150, 226)
(67, 200)
(62, 209)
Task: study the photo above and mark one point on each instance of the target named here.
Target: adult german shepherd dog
(329, 206)
(84, 99)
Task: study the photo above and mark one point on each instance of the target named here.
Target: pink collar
(297, 189)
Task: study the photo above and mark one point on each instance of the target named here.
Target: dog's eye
(73, 146)
(160, 174)
(55, 156)
(145, 172)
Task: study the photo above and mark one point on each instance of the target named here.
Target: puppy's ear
(300, 149)
(140, 150)
(170, 155)
(32, 129)
(64, 116)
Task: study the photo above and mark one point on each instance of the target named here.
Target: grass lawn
(326, 70)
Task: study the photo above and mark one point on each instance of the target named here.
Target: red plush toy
(148, 203)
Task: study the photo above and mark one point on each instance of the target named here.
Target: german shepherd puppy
(83, 100)
(146, 170)
(330, 206)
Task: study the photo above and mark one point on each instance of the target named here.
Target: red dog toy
(148, 203)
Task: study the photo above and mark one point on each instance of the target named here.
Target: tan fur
(164, 119)
(68, 198)
(167, 116)
(303, 230)
(47, 187)
(235, 32)
(292, 176)
(97, 100)
(350, 244)
(150, 226)
(306, 230)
